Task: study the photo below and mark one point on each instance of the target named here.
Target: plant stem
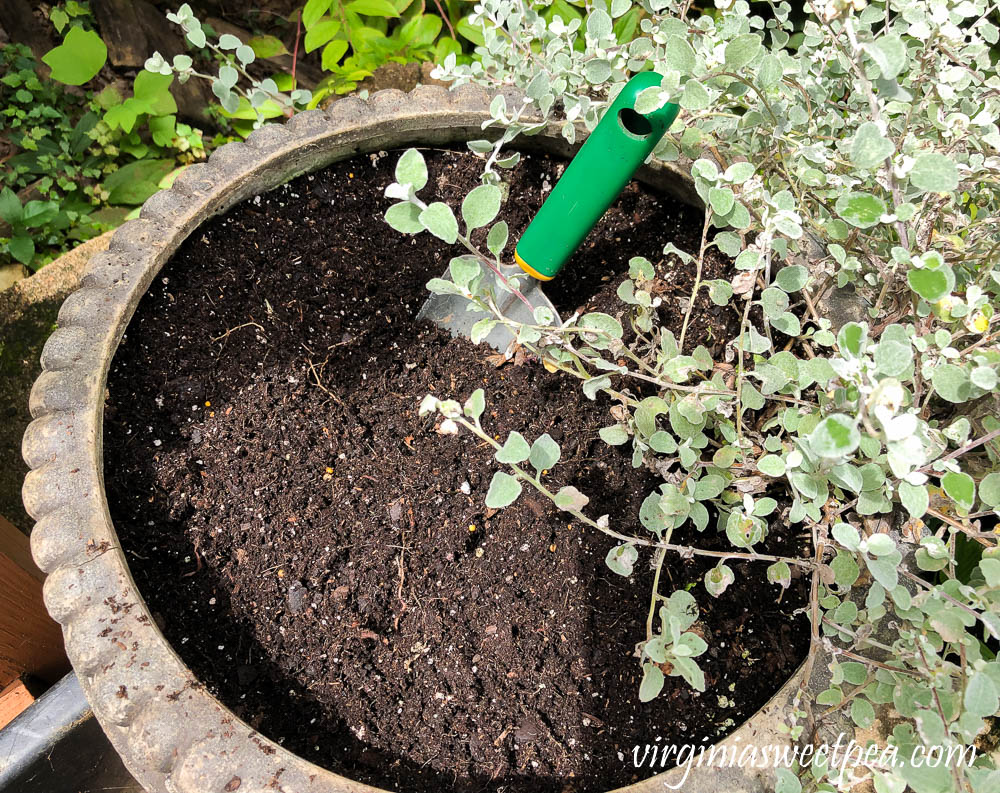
(661, 554)
(697, 277)
(685, 551)
(941, 593)
(295, 52)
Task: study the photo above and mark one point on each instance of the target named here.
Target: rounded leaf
(915, 499)
(860, 209)
(569, 498)
(652, 682)
(597, 71)
(934, 173)
(780, 573)
(504, 490)
(603, 323)
(440, 221)
(931, 283)
(951, 383)
(862, 712)
(411, 169)
(741, 50)
(515, 449)
(835, 436)
(621, 558)
(613, 436)
(496, 240)
(981, 697)
(404, 217)
(792, 277)
(718, 579)
(480, 206)
(989, 490)
(960, 488)
(544, 453)
(847, 535)
(869, 147)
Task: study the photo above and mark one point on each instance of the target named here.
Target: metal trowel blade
(457, 315)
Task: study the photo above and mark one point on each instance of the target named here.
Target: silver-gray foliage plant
(262, 96)
(861, 151)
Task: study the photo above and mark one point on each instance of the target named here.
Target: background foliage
(88, 147)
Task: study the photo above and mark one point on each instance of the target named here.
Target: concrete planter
(172, 734)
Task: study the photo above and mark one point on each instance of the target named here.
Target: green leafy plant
(358, 36)
(81, 160)
(859, 150)
(35, 218)
(70, 13)
(79, 58)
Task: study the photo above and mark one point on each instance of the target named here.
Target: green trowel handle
(616, 148)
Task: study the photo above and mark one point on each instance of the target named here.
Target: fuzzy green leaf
(914, 498)
(742, 50)
(892, 358)
(695, 96)
(847, 535)
(960, 488)
(860, 209)
(989, 490)
(709, 486)
(404, 217)
(845, 569)
(515, 449)
(835, 436)
(440, 221)
(411, 169)
(652, 682)
(931, 283)
(621, 558)
(480, 206)
(862, 712)
(544, 453)
(496, 240)
(599, 24)
(869, 147)
(613, 436)
(464, 269)
(934, 173)
(504, 490)
(475, 404)
(951, 383)
(981, 696)
(679, 55)
(791, 278)
(889, 53)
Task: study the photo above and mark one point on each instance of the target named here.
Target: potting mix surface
(322, 558)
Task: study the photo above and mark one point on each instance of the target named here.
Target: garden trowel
(592, 181)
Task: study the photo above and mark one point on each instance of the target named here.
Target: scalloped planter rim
(171, 733)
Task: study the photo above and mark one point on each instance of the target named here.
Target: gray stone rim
(173, 735)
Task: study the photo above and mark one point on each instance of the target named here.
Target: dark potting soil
(322, 558)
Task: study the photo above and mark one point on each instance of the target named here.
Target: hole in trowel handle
(634, 123)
